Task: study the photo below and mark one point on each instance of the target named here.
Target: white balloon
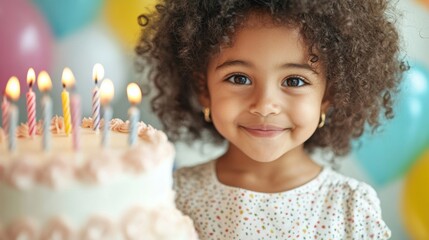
(80, 52)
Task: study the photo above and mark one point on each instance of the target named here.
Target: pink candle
(31, 103)
(5, 114)
(76, 118)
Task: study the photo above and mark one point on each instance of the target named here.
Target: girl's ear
(203, 92)
(325, 105)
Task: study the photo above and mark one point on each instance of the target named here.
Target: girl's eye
(294, 82)
(239, 79)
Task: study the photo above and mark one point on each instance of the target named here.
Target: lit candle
(5, 113)
(97, 74)
(45, 85)
(31, 103)
(67, 80)
(107, 92)
(134, 97)
(13, 90)
(75, 116)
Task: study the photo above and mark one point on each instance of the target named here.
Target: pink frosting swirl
(22, 229)
(22, 173)
(57, 125)
(100, 168)
(57, 228)
(22, 130)
(87, 123)
(116, 124)
(150, 134)
(98, 227)
(56, 173)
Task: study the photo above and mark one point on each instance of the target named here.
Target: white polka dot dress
(331, 206)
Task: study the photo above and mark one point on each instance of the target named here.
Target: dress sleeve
(177, 185)
(365, 215)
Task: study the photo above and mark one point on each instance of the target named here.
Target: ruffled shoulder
(188, 181)
(364, 212)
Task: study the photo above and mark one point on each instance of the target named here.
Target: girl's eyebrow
(303, 66)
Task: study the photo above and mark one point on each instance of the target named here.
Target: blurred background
(53, 34)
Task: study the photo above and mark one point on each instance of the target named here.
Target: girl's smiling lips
(263, 130)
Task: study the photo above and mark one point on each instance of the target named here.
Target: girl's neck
(291, 170)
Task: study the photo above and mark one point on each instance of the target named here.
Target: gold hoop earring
(206, 112)
(322, 120)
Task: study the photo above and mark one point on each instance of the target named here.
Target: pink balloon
(25, 41)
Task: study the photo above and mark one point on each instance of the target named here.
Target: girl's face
(264, 94)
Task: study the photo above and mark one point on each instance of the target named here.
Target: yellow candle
(67, 80)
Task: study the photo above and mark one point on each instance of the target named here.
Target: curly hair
(356, 40)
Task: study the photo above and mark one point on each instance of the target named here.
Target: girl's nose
(265, 102)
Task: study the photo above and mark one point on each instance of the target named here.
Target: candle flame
(67, 78)
(134, 93)
(31, 77)
(44, 82)
(97, 72)
(107, 91)
(13, 89)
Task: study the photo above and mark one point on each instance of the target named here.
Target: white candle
(134, 97)
(45, 85)
(107, 92)
(98, 74)
(13, 91)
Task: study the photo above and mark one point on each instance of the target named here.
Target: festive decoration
(389, 153)
(66, 16)
(26, 41)
(415, 207)
(123, 18)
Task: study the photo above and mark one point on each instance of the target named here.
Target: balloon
(26, 41)
(388, 154)
(415, 199)
(123, 18)
(80, 52)
(66, 16)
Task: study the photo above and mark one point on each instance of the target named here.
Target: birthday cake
(115, 192)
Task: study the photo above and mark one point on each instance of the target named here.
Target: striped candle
(97, 75)
(96, 109)
(5, 114)
(31, 112)
(65, 100)
(31, 103)
(76, 118)
(67, 80)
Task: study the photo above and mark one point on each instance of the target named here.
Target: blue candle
(45, 84)
(134, 97)
(13, 90)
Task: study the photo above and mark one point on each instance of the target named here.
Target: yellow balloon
(122, 16)
(415, 208)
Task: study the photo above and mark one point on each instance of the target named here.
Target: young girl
(275, 79)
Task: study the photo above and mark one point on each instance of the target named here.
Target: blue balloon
(65, 16)
(389, 153)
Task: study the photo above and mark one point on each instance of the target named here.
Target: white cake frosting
(117, 192)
